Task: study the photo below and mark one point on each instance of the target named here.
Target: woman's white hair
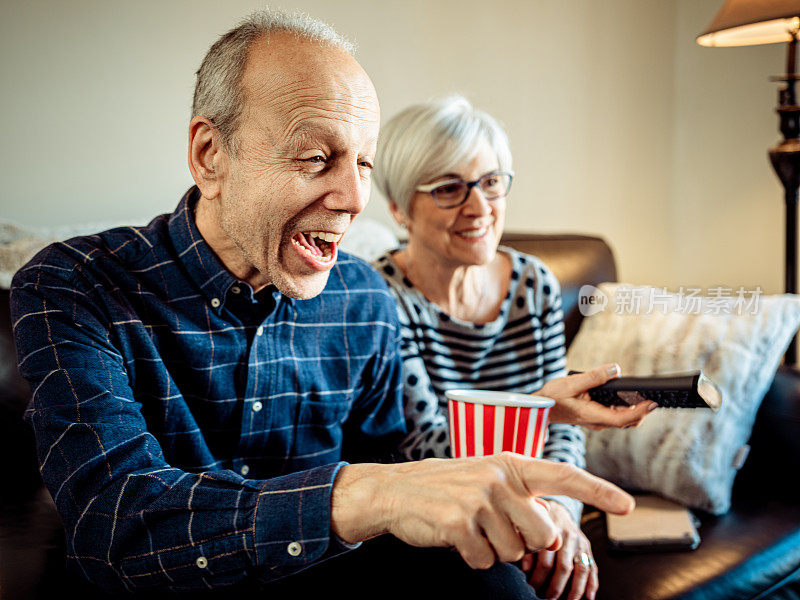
(218, 93)
(427, 140)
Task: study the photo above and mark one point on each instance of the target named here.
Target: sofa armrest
(775, 442)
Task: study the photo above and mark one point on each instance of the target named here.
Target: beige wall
(620, 124)
(727, 204)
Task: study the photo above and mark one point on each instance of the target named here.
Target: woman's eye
(449, 189)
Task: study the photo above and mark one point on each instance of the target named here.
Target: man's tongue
(310, 243)
(315, 246)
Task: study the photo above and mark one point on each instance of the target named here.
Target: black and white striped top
(519, 351)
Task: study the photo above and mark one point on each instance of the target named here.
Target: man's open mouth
(317, 245)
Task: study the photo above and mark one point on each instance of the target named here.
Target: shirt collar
(200, 261)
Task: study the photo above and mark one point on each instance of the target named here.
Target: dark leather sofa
(753, 552)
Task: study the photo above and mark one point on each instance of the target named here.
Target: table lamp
(751, 22)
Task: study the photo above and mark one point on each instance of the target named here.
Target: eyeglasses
(454, 192)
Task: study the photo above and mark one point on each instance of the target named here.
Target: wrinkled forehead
(291, 84)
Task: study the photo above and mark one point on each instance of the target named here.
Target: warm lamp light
(750, 22)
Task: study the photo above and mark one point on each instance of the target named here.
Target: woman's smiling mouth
(474, 233)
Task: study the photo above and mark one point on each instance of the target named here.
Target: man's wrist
(358, 509)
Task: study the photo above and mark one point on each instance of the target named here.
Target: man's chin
(302, 287)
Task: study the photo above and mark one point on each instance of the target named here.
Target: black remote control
(681, 390)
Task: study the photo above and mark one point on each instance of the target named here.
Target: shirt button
(244, 470)
(294, 549)
(201, 562)
(236, 289)
(257, 406)
(215, 302)
(260, 330)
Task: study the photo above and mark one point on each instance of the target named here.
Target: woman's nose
(476, 202)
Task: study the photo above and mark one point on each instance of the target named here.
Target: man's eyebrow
(308, 131)
(302, 134)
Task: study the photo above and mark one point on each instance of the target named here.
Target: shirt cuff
(574, 507)
(292, 527)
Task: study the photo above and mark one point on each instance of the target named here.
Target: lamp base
(785, 159)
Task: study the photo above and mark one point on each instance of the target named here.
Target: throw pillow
(735, 337)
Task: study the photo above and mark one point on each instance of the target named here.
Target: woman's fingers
(583, 575)
(544, 564)
(527, 562)
(596, 415)
(576, 384)
(593, 583)
(564, 567)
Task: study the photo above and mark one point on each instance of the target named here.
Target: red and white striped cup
(485, 422)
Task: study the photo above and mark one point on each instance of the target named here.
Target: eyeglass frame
(429, 187)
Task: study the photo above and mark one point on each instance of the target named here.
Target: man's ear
(207, 158)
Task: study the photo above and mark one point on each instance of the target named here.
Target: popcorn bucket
(485, 422)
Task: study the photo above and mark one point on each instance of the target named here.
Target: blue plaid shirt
(188, 430)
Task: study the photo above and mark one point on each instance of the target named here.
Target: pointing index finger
(543, 477)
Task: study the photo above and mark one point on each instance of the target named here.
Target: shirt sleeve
(565, 443)
(133, 521)
(376, 425)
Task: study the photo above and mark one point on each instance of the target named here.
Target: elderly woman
(477, 315)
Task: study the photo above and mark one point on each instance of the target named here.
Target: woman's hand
(558, 565)
(574, 406)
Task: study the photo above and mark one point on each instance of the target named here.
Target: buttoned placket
(256, 417)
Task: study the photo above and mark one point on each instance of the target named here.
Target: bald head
(288, 81)
(218, 94)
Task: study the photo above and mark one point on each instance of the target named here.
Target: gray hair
(218, 94)
(427, 140)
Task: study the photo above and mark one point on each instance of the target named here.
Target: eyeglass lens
(492, 185)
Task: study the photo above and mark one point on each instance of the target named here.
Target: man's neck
(206, 216)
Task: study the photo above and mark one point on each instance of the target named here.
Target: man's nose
(350, 190)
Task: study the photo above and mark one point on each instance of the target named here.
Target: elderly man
(198, 381)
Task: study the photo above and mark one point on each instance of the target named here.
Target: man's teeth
(474, 233)
(324, 254)
(324, 235)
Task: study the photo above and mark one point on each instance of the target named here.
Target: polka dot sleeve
(565, 443)
(428, 435)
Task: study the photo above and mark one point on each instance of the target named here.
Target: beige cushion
(687, 455)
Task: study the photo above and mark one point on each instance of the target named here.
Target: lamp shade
(750, 22)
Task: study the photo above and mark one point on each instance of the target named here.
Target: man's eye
(315, 159)
(366, 164)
